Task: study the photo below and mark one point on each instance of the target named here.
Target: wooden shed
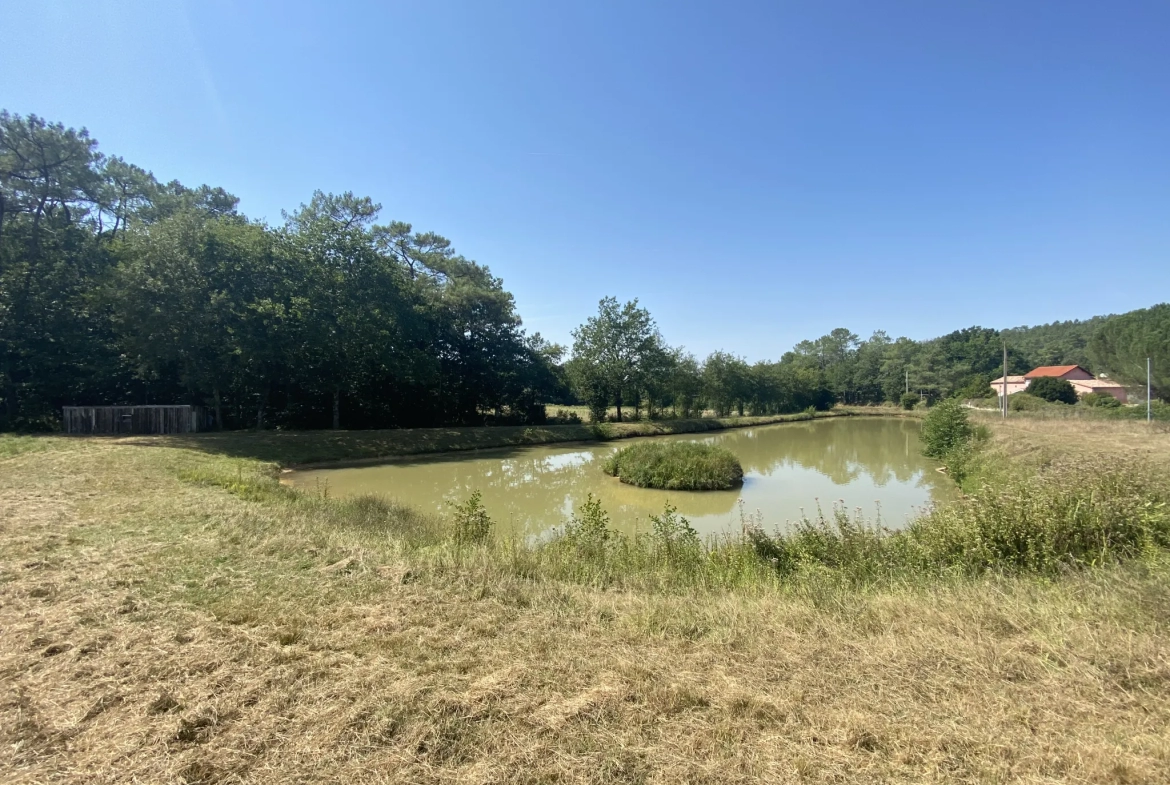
(132, 419)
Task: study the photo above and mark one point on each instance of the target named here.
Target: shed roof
(1051, 370)
(1096, 384)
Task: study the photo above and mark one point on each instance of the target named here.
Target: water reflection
(788, 468)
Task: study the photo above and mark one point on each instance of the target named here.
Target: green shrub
(1160, 410)
(1023, 402)
(676, 466)
(674, 537)
(471, 521)
(978, 387)
(946, 428)
(910, 400)
(1100, 400)
(1054, 390)
(588, 530)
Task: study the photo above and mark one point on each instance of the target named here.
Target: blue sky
(754, 173)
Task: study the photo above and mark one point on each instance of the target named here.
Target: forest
(119, 288)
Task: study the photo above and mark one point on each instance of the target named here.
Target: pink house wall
(1116, 391)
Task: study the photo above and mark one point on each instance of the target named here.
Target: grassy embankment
(300, 448)
(173, 614)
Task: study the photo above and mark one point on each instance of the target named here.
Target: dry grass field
(160, 623)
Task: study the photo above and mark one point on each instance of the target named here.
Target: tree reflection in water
(788, 468)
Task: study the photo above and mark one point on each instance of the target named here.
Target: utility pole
(1004, 401)
(1149, 416)
(907, 380)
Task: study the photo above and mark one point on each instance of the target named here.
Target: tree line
(620, 360)
(116, 288)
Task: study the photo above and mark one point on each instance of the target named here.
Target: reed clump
(1065, 516)
(676, 466)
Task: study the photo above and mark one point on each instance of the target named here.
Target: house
(1081, 380)
(1066, 372)
(1015, 384)
(1101, 386)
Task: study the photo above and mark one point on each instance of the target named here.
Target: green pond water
(861, 462)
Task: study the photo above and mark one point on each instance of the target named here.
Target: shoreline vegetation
(175, 613)
(335, 449)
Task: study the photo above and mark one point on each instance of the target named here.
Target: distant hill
(1058, 343)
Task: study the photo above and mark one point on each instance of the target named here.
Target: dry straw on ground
(158, 629)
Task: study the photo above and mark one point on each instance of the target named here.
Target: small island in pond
(676, 466)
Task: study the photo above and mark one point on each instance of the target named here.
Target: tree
(1052, 389)
(1100, 400)
(867, 374)
(945, 428)
(184, 295)
(726, 383)
(53, 345)
(1121, 345)
(343, 281)
(610, 353)
(684, 384)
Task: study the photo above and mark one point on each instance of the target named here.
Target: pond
(871, 463)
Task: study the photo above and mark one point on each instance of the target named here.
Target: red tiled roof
(1051, 370)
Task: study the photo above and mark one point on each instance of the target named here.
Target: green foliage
(909, 400)
(687, 466)
(1058, 343)
(1121, 345)
(674, 538)
(118, 289)
(945, 428)
(615, 354)
(1053, 390)
(1159, 411)
(1100, 400)
(470, 520)
(1025, 402)
(977, 388)
(841, 542)
(726, 383)
(588, 529)
(1067, 515)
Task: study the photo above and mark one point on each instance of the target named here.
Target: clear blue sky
(755, 173)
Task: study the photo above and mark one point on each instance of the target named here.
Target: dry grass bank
(1032, 439)
(160, 628)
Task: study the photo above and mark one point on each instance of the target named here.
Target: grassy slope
(293, 448)
(159, 627)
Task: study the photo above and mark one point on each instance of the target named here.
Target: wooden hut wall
(131, 419)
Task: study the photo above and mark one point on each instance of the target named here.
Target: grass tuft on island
(676, 466)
